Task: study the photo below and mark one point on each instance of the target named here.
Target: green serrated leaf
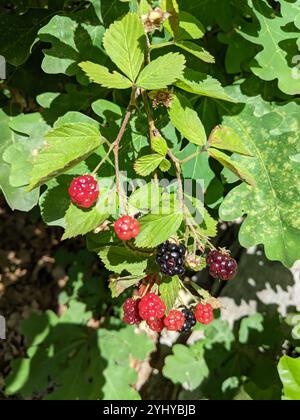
(162, 72)
(147, 164)
(225, 138)
(118, 285)
(186, 120)
(227, 162)
(145, 199)
(204, 85)
(118, 259)
(169, 290)
(80, 221)
(156, 229)
(196, 50)
(102, 76)
(125, 43)
(165, 165)
(159, 145)
(65, 147)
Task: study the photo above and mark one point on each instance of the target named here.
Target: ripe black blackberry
(171, 258)
(190, 320)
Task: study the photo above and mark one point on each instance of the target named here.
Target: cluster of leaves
(72, 70)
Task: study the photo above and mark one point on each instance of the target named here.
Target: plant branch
(116, 147)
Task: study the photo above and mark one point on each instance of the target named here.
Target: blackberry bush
(171, 111)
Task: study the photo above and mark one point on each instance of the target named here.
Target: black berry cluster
(171, 259)
(190, 320)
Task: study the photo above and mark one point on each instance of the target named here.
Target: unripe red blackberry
(204, 313)
(151, 307)
(221, 265)
(84, 191)
(127, 228)
(174, 321)
(156, 325)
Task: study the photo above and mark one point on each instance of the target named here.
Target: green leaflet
(272, 207)
(157, 228)
(66, 146)
(162, 72)
(118, 259)
(147, 164)
(169, 290)
(102, 76)
(186, 120)
(233, 166)
(203, 84)
(124, 43)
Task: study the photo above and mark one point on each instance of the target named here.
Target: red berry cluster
(151, 308)
(221, 265)
(84, 191)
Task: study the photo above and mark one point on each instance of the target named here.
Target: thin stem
(194, 155)
(189, 292)
(153, 132)
(111, 147)
(116, 148)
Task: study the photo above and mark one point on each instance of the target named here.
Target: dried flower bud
(162, 97)
(154, 19)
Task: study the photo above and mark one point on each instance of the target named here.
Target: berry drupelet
(190, 320)
(84, 191)
(221, 265)
(171, 258)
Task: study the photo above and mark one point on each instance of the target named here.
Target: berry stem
(111, 147)
(116, 148)
(189, 292)
(153, 132)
